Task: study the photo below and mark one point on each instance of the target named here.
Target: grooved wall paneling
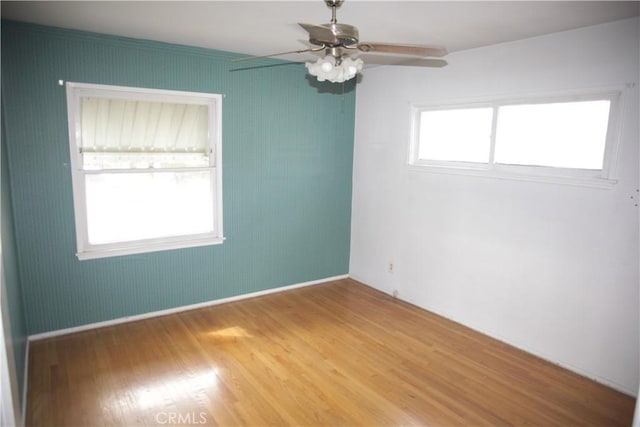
(287, 166)
(11, 279)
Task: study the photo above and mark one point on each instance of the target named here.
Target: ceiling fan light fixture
(338, 39)
(352, 66)
(326, 65)
(334, 70)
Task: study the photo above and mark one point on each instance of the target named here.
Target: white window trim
(85, 250)
(605, 178)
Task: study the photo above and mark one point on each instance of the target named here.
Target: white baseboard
(158, 313)
(519, 345)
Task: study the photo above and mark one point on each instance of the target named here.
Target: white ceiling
(265, 27)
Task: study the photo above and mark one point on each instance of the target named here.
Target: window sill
(147, 247)
(580, 180)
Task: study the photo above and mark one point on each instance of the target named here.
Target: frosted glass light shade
(328, 68)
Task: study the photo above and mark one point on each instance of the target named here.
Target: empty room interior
(320, 213)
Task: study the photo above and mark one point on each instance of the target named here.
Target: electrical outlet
(390, 267)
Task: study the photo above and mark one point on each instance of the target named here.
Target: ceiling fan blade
(375, 60)
(422, 62)
(402, 49)
(249, 58)
(319, 34)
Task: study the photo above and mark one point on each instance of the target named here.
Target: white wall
(549, 268)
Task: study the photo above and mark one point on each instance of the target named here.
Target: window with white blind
(564, 138)
(146, 169)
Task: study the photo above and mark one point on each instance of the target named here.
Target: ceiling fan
(339, 41)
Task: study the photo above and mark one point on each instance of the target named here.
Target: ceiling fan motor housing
(345, 35)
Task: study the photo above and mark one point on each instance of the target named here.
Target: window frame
(85, 249)
(604, 178)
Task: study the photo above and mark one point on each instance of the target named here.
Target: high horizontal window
(146, 169)
(570, 137)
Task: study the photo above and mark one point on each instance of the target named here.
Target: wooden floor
(333, 354)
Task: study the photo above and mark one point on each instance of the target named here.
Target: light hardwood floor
(339, 353)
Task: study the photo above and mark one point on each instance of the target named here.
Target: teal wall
(287, 166)
(15, 307)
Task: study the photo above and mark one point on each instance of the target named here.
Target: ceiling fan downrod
(334, 5)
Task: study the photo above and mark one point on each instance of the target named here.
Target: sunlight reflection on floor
(163, 392)
(231, 332)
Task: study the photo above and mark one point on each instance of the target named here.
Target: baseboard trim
(518, 345)
(25, 384)
(90, 326)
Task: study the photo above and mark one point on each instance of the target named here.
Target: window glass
(565, 135)
(567, 138)
(126, 207)
(462, 135)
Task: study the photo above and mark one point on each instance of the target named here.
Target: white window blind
(118, 133)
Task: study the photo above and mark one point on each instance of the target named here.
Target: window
(570, 138)
(443, 138)
(146, 169)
